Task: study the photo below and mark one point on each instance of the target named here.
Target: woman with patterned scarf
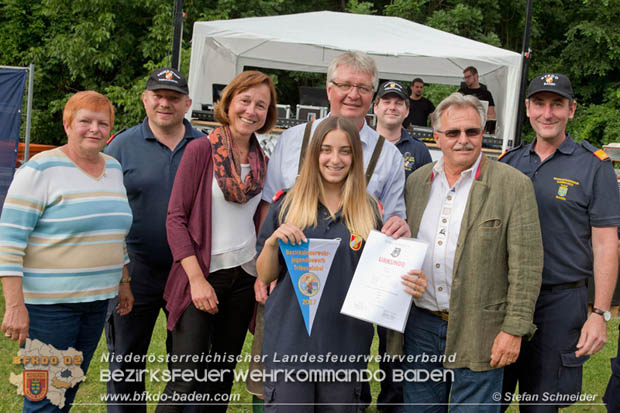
(212, 236)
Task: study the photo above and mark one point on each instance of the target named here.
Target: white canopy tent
(308, 41)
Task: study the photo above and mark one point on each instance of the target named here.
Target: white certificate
(376, 293)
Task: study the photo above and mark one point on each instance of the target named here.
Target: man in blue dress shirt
(352, 78)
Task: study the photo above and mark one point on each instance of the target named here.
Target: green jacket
(497, 265)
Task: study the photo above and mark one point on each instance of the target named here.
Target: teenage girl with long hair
(328, 201)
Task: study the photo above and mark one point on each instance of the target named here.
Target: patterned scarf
(227, 170)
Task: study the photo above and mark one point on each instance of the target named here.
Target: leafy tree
(599, 123)
(360, 7)
(112, 46)
(107, 46)
(414, 10)
(79, 45)
(465, 21)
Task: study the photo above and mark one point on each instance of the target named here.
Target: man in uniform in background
(391, 107)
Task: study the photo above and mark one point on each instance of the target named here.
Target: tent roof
(308, 41)
(381, 35)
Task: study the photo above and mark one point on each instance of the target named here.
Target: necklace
(239, 154)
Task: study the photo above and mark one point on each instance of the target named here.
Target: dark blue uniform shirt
(332, 332)
(575, 191)
(149, 168)
(414, 152)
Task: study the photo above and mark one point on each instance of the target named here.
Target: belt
(564, 286)
(444, 315)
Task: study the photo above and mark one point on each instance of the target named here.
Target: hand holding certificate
(377, 293)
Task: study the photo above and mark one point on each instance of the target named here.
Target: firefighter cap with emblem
(392, 87)
(167, 78)
(551, 82)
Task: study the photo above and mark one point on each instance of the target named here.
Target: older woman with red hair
(62, 241)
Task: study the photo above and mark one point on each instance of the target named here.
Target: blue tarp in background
(12, 83)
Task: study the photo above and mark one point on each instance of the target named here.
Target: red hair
(87, 99)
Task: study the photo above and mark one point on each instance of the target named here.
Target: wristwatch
(605, 314)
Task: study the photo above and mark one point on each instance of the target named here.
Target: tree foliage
(112, 46)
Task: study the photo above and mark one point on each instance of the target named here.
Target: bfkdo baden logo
(35, 384)
(47, 372)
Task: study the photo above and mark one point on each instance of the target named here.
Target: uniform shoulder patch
(278, 195)
(507, 151)
(115, 135)
(599, 153)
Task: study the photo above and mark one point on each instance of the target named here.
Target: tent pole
(526, 54)
(29, 111)
(177, 34)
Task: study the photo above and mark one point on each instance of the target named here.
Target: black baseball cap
(392, 87)
(167, 78)
(551, 82)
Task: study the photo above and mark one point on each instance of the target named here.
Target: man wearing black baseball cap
(579, 210)
(391, 108)
(149, 154)
(167, 79)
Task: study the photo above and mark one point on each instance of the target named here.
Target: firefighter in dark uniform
(579, 209)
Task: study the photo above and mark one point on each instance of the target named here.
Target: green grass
(596, 375)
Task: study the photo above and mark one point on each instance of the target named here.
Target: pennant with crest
(308, 265)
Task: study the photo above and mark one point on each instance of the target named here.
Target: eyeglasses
(455, 133)
(346, 88)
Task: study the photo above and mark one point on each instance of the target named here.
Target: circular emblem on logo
(308, 284)
(169, 75)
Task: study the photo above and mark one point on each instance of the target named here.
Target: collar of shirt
(325, 215)
(365, 133)
(468, 174)
(440, 227)
(147, 133)
(404, 135)
(567, 147)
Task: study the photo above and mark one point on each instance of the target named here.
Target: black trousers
(284, 396)
(219, 336)
(547, 364)
(131, 334)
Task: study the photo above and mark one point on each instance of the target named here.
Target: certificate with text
(377, 294)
